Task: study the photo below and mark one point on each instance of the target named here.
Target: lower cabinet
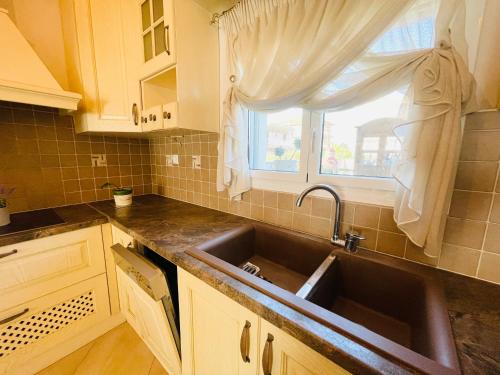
(148, 319)
(29, 329)
(219, 336)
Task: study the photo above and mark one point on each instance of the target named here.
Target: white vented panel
(50, 321)
(25, 331)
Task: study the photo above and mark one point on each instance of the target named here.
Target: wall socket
(196, 162)
(172, 160)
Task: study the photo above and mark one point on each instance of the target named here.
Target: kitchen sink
(391, 306)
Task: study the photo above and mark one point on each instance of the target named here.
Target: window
(276, 140)
(351, 149)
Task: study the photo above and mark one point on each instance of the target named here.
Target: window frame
(361, 189)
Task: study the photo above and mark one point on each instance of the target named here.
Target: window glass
(360, 141)
(275, 140)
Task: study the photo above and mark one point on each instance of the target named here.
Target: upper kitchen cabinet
(158, 35)
(103, 57)
(180, 67)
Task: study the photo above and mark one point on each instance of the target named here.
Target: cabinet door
(157, 35)
(218, 336)
(147, 317)
(283, 354)
(34, 268)
(102, 54)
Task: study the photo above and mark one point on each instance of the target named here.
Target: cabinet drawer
(34, 268)
(50, 320)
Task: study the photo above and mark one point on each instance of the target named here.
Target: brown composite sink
(394, 307)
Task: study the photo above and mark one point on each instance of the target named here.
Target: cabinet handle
(15, 316)
(12, 252)
(167, 28)
(245, 342)
(135, 114)
(167, 115)
(267, 355)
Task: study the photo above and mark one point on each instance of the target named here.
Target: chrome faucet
(351, 241)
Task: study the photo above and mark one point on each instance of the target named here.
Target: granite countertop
(74, 217)
(170, 227)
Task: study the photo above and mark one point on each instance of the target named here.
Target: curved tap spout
(336, 224)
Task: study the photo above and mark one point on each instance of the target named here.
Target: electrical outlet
(175, 160)
(196, 161)
(168, 160)
(98, 160)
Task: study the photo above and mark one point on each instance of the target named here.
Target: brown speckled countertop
(170, 227)
(75, 217)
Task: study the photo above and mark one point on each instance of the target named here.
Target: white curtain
(315, 54)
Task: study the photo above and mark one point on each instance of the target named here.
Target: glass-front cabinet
(158, 38)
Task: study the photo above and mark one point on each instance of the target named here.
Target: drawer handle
(245, 342)
(15, 316)
(267, 355)
(12, 252)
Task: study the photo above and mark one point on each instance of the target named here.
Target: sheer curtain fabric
(319, 55)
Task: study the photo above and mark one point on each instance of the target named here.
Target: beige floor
(120, 351)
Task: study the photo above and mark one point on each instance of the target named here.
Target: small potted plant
(122, 195)
(4, 209)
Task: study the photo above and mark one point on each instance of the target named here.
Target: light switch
(196, 161)
(175, 159)
(168, 160)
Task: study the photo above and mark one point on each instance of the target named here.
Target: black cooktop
(31, 220)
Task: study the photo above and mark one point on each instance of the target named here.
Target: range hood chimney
(23, 76)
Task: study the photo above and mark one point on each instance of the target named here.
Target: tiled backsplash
(472, 236)
(473, 229)
(51, 166)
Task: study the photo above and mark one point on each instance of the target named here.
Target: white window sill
(379, 192)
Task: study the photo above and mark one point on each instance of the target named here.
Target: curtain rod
(216, 16)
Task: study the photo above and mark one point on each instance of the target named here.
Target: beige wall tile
(489, 267)
(387, 221)
(481, 145)
(391, 243)
(459, 259)
(321, 207)
(321, 227)
(257, 197)
(366, 216)
(301, 222)
(470, 205)
(285, 201)
(492, 240)
(270, 199)
(347, 212)
(370, 235)
(478, 176)
(285, 218)
(416, 254)
(495, 210)
(305, 207)
(483, 121)
(464, 233)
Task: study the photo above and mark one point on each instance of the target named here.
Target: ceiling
(216, 6)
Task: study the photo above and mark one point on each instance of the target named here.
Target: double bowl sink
(393, 307)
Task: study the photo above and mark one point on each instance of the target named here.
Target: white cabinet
(283, 354)
(103, 56)
(158, 35)
(30, 329)
(218, 333)
(148, 319)
(183, 79)
(33, 268)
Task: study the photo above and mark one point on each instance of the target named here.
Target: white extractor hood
(23, 76)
